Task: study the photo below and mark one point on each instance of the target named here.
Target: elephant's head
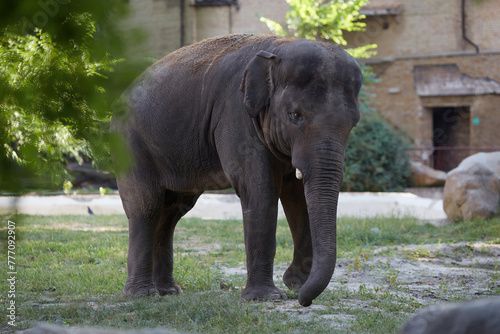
(303, 98)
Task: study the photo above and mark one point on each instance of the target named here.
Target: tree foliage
(376, 159)
(55, 93)
(326, 20)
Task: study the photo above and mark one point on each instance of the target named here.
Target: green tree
(55, 90)
(376, 158)
(326, 20)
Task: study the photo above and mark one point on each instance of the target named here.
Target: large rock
(425, 176)
(477, 317)
(472, 190)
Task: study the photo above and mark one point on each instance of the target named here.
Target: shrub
(376, 159)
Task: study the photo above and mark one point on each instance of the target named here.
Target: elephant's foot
(295, 277)
(171, 289)
(263, 293)
(139, 290)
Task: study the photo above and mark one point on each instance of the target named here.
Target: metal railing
(445, 157)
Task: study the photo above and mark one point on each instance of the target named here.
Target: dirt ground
(422, 275)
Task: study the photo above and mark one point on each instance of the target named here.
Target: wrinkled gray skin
(240, 111)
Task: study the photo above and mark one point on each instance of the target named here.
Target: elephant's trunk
(322, 182)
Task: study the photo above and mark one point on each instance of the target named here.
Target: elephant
(265, 115)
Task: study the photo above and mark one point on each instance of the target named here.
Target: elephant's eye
(295, 116)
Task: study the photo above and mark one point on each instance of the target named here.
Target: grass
(71, 270)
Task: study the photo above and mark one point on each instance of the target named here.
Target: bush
(376, 159)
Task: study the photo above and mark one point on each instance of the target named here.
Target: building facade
(170, 24)
(438, 61)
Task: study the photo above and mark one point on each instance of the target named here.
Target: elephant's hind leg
(142, 206)
(174, 207)
(295, 207)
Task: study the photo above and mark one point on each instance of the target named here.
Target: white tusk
(298, 174)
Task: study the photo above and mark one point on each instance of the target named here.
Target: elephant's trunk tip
(305, 303)
(298, 174)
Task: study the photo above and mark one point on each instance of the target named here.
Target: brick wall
(429, 32)
(431, 27)
(211, 21)
(154, 27)
(159, 22)
(246, 20)
(483, 25)
(398, 102)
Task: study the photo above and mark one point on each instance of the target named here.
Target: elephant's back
(188, 71)
(187, 91)
(200, 55)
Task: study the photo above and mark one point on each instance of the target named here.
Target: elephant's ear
(257, 82)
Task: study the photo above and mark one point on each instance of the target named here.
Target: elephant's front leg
(295, 207)
(259, 220)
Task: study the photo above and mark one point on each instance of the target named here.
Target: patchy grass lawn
(71, 270)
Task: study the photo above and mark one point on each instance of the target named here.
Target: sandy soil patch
(421, 274)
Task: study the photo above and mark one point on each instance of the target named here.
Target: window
(204, 3)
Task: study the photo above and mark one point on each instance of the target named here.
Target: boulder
(425, 176)
(472, 190)
(476, 317)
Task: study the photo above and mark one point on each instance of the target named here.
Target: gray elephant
(267, 116)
